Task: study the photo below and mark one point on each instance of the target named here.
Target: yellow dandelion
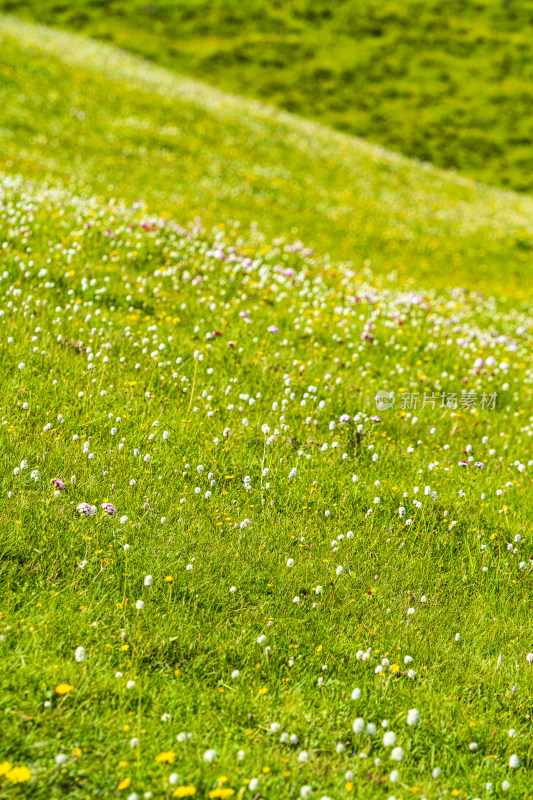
(221, 793)
(63, 688)
(124, 784)
(18, 774)
(184, 791)
(5, 766)
(166, 758)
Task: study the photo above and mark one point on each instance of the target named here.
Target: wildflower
(358, 725)
(389, 739)
(63, 688)
(413, 717)
(17, 774)
(397, 754)
(109, 509)
(86, 509)
(210, 756)
(514, 762)
(79, 655)
(166, 757)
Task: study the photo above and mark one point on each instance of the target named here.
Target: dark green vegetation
(448, 81)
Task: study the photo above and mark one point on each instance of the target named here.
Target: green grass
(447, 81)
(122, 319)
(123, 128)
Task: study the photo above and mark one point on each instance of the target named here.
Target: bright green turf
(448, 81)
(90, 291)
(83, 278)
(72, 107)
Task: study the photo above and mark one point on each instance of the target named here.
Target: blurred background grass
(447, 81)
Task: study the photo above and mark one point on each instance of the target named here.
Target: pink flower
(59, 484)
(109, 509)
(86, 509)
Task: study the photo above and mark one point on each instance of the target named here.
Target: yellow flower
(167, 757)
(63, 688)
(18, 774)
(5, 766)
(394, 668)
(124, 783)
(221, 793)
(184, 791)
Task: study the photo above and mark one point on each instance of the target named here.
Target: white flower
(413, 717)
(394, 776)
(473, 747)
(436, 772)
(235, 674)
(210, 756)
(148, 581)
(506, 786)
(139, 605)
(123, 520)
(173, 779)
(275, 727)
(241, 755)
(358, 725)
(339, 570)
(303, 757)
(397, 754)
(79, 655)
(61, 758)
(290, 562)
(389, 739)
(356, 694)
(305, 792)
(529, 658)
(253, 785)
(514, 762)
(130, 685)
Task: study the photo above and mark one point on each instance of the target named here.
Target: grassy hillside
(448, 81)
(317, 571)
(71, 107)
(225, 570)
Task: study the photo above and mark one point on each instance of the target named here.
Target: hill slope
(226, 570)
(448, 81)
(221, 574)
(72, 107)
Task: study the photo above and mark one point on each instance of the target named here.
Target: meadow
(225, 569)
(445, 81)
